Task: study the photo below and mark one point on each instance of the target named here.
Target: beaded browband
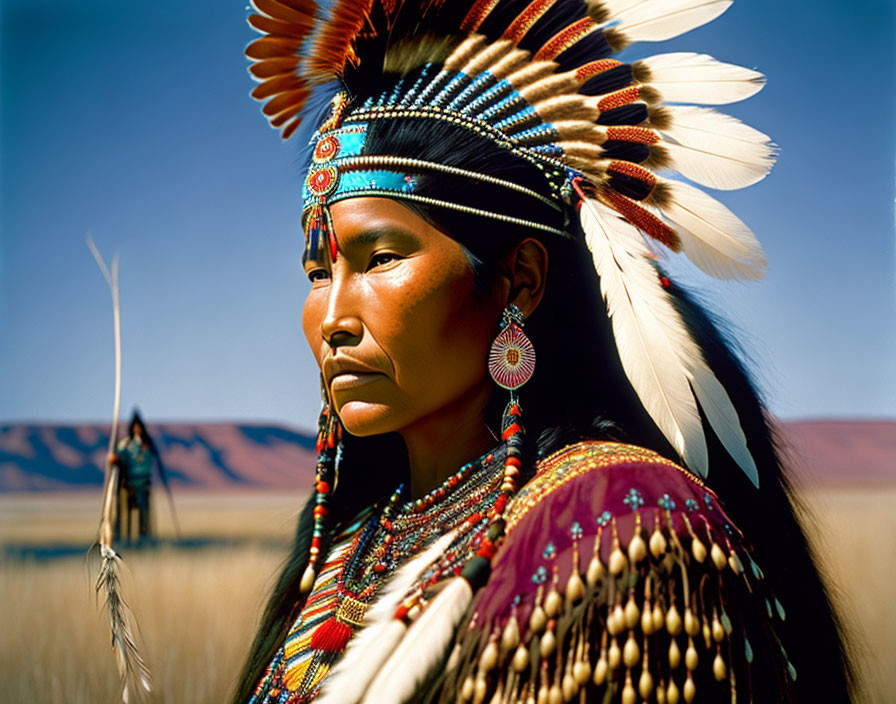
(341, 169)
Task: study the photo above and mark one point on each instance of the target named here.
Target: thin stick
(127, 656)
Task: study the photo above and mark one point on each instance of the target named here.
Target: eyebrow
(369, 237)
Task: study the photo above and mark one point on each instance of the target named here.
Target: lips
(346, 373)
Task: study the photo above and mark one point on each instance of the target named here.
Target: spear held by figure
(130, 664)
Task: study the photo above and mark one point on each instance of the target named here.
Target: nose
(341, 325)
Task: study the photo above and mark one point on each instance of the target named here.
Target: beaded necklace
(397, 532)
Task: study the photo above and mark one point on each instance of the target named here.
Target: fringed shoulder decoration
(621, 579)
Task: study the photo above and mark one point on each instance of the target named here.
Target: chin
(363, 418)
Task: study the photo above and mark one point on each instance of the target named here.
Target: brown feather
(282, 11)
(306, 7)
(282, 117)
(290, 128)
(461, 55)
(583, 165)
(404, 56)
(659, 196)
(597, 11)
(268, 68)
(616, 39)
(278, 84)
(641, 72)
(650, 95)
(278, 28)
(285, 101)
(660, 118)
(272, 48)
(583, 150)
(580, 130)
(333, 45)
(568, 107)
(659, 158)
(556, 84)
(512, 62)
(531, 73)
(481, 60)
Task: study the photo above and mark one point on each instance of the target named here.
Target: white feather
(367, 650)
(637, 303)
(713, 237)
(717, 150)
(424, 644)
(649, 333)
(658, 20)
(722, 416)
(685, 77)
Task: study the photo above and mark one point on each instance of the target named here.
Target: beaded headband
(340, 169)
(537, 78)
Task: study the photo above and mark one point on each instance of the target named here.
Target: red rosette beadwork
(322, 181)
(326, 149)
(511, 360)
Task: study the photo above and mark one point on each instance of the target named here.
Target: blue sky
(133, 121)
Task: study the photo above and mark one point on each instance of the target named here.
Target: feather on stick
(131, 667)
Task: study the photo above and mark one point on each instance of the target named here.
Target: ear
(525, 270)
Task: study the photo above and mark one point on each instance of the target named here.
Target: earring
(511, 363)
(329, 450)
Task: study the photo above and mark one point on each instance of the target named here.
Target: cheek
(443, 345)
(312, 315)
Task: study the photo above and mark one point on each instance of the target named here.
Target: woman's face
(394, 323)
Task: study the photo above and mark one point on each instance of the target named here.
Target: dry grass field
(198, 607)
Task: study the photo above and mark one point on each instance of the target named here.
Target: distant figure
(136, 454)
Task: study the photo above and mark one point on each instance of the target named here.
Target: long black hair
(579, 390)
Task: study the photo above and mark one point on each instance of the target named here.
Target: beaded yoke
(620, 576)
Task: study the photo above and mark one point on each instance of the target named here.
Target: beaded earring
(511, 363)
(329, 448)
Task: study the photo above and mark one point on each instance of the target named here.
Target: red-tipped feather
(641, 218)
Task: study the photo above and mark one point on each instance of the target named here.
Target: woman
(479, 196)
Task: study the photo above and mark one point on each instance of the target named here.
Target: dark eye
(382, 258)
(318, 275)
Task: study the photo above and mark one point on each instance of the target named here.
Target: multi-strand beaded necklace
(399, 532)
(365, 557)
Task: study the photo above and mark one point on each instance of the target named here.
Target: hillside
(227, 456)
(212, 456)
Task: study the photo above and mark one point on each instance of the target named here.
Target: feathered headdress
(538, 78)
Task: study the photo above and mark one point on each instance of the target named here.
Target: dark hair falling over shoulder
(580, 390)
